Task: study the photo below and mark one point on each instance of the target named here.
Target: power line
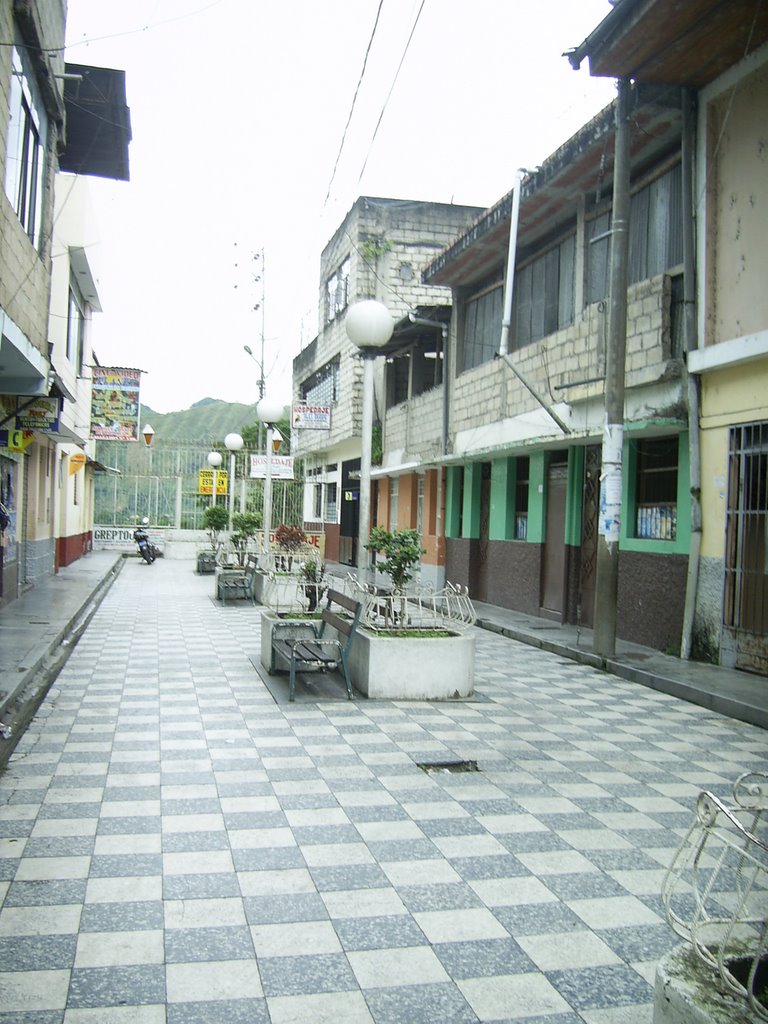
(391, 90)
(354, 100)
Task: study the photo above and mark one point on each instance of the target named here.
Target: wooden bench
(237, 583)
(303, 644)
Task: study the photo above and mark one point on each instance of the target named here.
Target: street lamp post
(269, 412)
(214, 461)
(369, 325)
(233, 443)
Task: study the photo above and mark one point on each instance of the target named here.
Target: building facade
(379, 251)
(54, 119)
(718, 58)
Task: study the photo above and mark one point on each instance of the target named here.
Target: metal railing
(419, 608)
(715, 892)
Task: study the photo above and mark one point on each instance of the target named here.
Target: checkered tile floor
(174, 846)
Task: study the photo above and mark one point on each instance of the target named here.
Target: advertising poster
(115, 404)
(311, 417)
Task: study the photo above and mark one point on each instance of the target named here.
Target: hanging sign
(115, 403)
(42, 414)
(16, 440)
(76, 462)
(311, 417)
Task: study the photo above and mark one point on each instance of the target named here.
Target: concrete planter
(268, 621)
(413, 668)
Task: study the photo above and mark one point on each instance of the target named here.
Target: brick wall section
(559, 367)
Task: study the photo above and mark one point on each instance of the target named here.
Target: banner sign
(42, 414)
(311, 417)
(205, 481)
(280, 467)
(115, 403)
(76, 462)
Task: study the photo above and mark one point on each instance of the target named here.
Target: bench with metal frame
(237, 584)
(304, 644)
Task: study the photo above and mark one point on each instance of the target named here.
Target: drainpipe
(443, 426)
(693, 383)
(511, 256)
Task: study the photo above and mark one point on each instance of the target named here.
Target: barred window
(322, 388)
(482, 327)
(543, 294)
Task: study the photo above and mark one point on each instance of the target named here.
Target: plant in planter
(215, 519)
(289, 539)
(314, 583)
(245, 526)
(402, 551)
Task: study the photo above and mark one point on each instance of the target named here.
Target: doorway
(553, 569)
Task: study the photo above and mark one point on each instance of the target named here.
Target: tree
(401, 552)
(215, 519)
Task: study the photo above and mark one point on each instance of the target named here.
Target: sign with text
(205, 481)
(115, 403)
(280, 467)
(42, 414)
(311, 417)
(76, 462)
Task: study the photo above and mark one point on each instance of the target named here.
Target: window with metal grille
(322, 388)
(746, 554)
(330, 503)
(656, 488)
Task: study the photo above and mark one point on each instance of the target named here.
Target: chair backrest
(330, 618)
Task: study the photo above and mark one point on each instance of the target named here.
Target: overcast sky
(238, 110)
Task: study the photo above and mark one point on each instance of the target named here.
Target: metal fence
(163, 484)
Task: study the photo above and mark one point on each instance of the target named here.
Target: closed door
(553, 565)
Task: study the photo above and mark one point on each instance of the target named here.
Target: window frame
(26, 146)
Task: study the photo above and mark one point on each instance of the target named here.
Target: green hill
(206, 421)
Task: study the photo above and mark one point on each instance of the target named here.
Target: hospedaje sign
(280, 467)
(311, 417)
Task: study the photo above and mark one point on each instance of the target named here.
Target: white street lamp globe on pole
(233, 443)
(214, 461)
(269, 412)
(369, 325)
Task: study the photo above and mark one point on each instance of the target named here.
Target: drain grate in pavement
(449, 766)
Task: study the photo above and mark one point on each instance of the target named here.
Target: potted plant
(423, 659)
(215, 519)
(315, 584)
(245, 526)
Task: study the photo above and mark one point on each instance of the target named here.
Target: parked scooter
(146, 547)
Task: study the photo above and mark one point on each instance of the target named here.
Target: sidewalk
(33, 629)
(177, 848)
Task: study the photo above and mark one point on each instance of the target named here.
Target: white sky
(238, 109)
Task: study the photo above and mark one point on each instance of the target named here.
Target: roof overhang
(673, 42)
(549, 196)
(98, 123)
(24, 370)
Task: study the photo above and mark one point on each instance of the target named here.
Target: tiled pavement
(174, 846)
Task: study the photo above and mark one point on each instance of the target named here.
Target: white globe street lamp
(369, 325)
(214, 461)
(269, 412)
(233, 443)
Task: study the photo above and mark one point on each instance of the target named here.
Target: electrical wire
(391, 90)
(354, 100)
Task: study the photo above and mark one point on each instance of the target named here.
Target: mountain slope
(206, 421)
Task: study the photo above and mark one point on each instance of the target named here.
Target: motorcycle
(146, 547)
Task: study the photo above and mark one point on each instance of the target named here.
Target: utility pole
(607, 588)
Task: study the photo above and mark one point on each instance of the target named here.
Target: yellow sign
(20, 440)
(205, 481)
(76, 462)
